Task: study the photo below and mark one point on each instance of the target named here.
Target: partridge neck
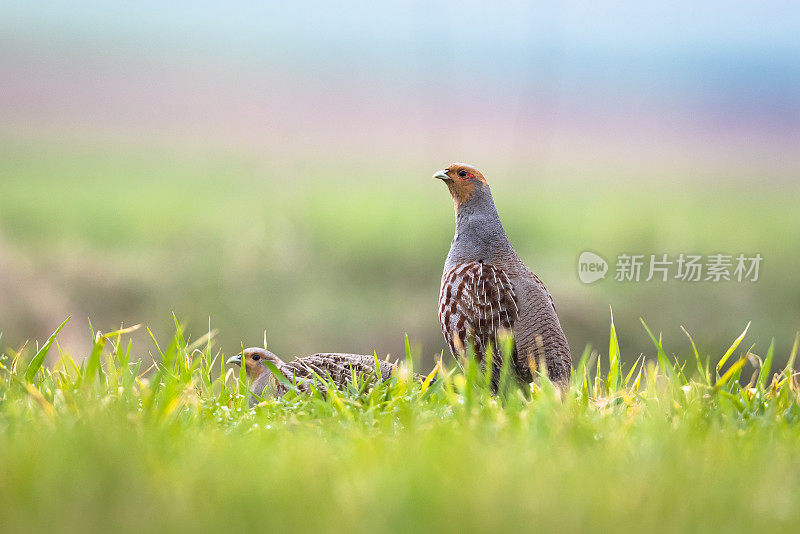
(479, 234)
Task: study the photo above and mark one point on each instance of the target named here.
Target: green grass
(656, 446)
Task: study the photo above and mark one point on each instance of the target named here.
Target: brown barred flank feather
(477, 302)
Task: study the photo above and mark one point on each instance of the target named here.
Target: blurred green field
(174, 449)
(332, 255)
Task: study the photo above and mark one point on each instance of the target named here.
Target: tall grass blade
(639, 361)
(732, 348)
(409, 359)
(280, 377)
(792, 355)
(663, 361)
(736, 367)
(701, 369)
(613, 358)
(93, 367)
(579, 370)
(38, 359)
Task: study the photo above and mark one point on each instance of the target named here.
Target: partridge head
(262, 380)
(253, 360)
(462, 181)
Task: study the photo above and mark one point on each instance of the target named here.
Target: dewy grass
(104, 443)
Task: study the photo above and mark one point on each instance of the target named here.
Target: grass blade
(702, 369)
(38, 359)
(730, 372)
(790, 364)
(93, 363)
(613, 358)
(766, 367)
(663, 361)
(732, 348)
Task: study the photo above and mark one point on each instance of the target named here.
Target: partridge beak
(441, 175)
(235, 359)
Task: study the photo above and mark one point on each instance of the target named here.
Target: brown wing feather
(305, 372)
(539, 283)
(476, 303)
(337, 367)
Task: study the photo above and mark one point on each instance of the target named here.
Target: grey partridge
(307, 371)
(486, 288)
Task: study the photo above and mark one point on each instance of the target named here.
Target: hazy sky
(507, 37)
(638, 75)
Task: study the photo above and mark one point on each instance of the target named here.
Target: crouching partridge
(486, 288)
(306, 372)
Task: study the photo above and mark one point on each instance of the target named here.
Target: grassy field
(336, 256)
(107, 444)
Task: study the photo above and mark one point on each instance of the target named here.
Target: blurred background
(267, 167)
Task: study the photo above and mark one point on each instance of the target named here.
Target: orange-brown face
(461, 180)
(253, 359)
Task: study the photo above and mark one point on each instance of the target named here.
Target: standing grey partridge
(307, 371)
(486, 288)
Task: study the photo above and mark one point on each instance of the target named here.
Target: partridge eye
(256, 357)
(462, 174)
